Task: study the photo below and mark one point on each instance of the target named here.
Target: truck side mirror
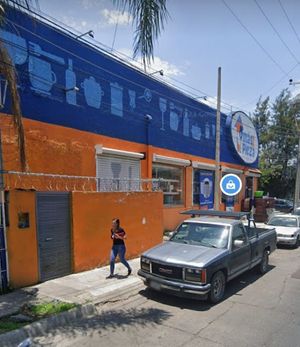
(171, 233)
(238, 243)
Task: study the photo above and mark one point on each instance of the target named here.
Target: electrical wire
(290, 22)
(107, 51)
(276, 31)
(127, 80)
(254, 38)
(272, 87)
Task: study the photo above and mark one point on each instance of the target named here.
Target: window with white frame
(170, 180)
(117, 173)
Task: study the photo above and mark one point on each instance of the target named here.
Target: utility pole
(217, 154)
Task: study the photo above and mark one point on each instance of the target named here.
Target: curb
(43, 326)
(40, 328)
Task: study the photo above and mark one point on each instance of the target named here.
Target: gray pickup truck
(206, 252)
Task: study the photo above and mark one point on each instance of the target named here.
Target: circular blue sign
(231, 184)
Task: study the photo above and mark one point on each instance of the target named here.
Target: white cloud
(113, 17)
(88, 4)
(169, 69)
(73, 23)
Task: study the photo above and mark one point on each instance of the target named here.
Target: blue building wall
(112, 99)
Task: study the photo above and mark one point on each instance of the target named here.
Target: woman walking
(118, 236)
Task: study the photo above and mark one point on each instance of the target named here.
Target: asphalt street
(257, 311)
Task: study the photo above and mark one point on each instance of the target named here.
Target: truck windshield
(283, 222)
(209, 235)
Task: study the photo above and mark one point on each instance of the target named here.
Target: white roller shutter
(116, 173)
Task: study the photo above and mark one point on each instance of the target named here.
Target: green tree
(278, 144)
(149, 17)
(261, 121)
(283, 130)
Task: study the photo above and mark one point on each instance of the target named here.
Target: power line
(272, 87)
(290, 22)
(254, 38)
(276, 31)
(128, 61)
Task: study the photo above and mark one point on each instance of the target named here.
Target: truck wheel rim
(218, 286)
(265, 261)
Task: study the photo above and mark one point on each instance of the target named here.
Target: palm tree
(8, 71)
(149, 17)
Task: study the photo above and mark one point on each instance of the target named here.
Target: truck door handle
(49, 239)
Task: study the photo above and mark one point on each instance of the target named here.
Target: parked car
(285, 206)
(205, 253)
(287, 228)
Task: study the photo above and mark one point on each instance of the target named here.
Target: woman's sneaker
(129, 272)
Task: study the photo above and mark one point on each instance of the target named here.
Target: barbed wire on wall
(48, 182)
(62, 183)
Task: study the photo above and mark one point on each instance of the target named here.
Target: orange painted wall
(22, 243)
(172, 217)
(141, 217)
(59, 150)
(56, 150)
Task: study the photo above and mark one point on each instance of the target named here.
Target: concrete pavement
(257, 311)
(80, 288)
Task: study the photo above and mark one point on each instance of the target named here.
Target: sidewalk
(80, 288)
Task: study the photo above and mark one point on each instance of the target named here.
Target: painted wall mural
(80, 87)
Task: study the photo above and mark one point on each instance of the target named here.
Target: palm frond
(149, 17)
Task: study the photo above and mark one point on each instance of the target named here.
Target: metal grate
(167, 271)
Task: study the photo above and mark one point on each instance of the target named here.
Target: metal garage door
(54, 241)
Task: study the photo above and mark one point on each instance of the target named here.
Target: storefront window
(169, 179)
(203, 188)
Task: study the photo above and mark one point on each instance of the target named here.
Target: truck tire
(263, 265)
(218, 284)
(297, 242)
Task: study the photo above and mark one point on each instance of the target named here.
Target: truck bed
(254, 232)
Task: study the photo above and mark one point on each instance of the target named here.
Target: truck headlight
(195, 275)
(145, 264)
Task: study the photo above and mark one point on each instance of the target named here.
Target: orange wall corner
(22, 243)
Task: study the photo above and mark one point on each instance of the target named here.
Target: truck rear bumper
(177, 288)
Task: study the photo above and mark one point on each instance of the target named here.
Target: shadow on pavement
(11, 303)
(232, 288)
(120, 277)
(106, 321)
(289, 247)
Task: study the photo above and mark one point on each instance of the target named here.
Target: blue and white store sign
(244, 137)
(231, 184)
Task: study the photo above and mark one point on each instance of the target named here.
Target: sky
(255, 42)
